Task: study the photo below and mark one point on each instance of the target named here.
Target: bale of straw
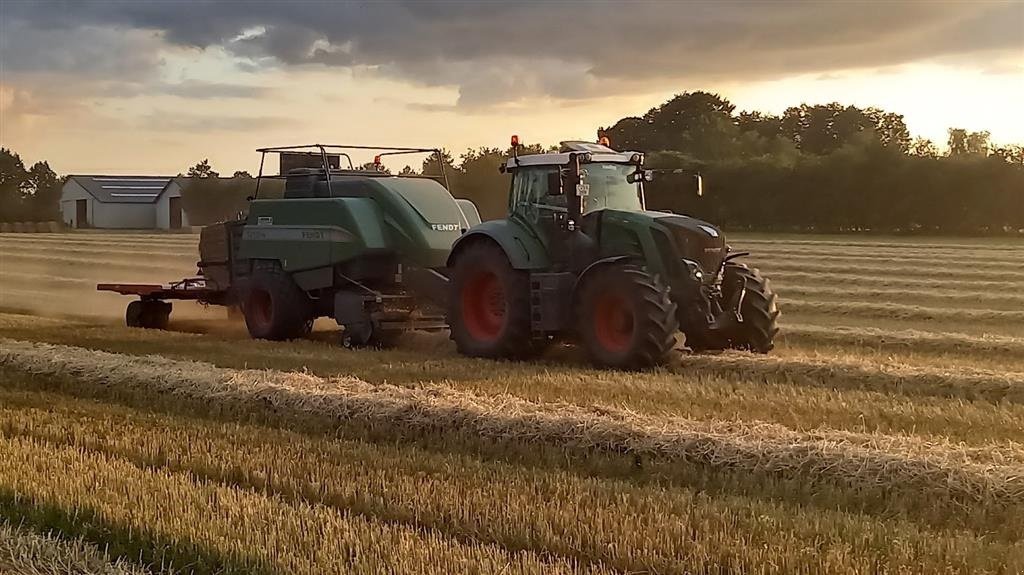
(47, 227)
(6, 228)
(18, 227)
(992, 474)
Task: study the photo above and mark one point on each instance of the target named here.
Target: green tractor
(579, 257)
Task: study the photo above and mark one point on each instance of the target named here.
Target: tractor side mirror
(641, 176)
(555, 183)
(700, 185)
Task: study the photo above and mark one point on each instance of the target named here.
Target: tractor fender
(524, 251)
(595, 266)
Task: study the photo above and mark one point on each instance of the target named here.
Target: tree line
(814, 168)
(824, 168)
(28, 194)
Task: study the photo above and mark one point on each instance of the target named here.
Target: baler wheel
(626, 319)
(274, 307)
(148, 314)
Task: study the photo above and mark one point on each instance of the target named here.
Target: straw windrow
(24, 552)
(991, 473)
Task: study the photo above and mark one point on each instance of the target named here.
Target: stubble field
(884, 435)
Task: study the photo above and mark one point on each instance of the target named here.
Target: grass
(883, 435)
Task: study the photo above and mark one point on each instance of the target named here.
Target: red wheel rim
(613, 322)
(261, 307)
(483, 306)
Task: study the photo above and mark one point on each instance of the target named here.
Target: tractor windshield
(609, 188)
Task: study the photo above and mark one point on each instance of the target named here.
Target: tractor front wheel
(757, 305)
(626, 319)
(274, 307)
(489, 307)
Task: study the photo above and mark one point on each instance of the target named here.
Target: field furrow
(906, 340)
(921, 297)
(843, 457)
(630, 524)
(228, 530)
(926, 261)
(932, 255)
(800, 395)
(1008, 273)
(902, 311)
(841, 242)
(854, 279)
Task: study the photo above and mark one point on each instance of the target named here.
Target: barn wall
(163, 207)
(70, 193)
(124, 216)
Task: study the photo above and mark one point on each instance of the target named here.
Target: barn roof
(124, 189)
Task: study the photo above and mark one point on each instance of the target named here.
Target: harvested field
(884, 434)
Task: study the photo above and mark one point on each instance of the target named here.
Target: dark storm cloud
(562, 49)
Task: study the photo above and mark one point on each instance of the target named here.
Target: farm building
(170, 215)
(123, 202)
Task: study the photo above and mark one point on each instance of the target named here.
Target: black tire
(625, 317)
(274, 307)
(148, 314)
(759, 308)
(489, 305)
(373, 336)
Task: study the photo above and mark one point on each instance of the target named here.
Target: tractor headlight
(694, 270)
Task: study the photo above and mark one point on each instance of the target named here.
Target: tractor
(579, 257)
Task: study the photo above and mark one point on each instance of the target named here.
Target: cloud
(168, 121)
(496, 53)
(195, 89)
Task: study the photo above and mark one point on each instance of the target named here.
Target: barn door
(175, 209)
(81, 213)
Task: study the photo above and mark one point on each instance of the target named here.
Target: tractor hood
(696, 240)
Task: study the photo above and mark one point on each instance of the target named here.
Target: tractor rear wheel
(626, 319)
(274, 307)
(489, 307)
(758, 308)
(148, 314)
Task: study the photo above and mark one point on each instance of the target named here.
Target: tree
(964, 143)
(241, 174)
(924, 148)
(373, 167)
(481, 181)
(13, 182)
(431, 167)
(202, 170)
(978, 143)
(1013, 154)
(44, 193)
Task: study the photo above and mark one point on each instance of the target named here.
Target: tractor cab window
(609, 188)
(530, 190)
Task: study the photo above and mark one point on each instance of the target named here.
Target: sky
(152, 87)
